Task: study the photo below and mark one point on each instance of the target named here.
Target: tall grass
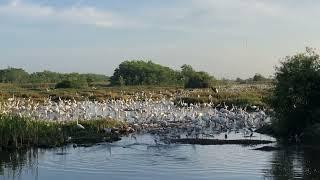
(231, 94)
(19, 132)
(248, 97)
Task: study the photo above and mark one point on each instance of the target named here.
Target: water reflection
(294, 162)
(127, 158)
(15, 163)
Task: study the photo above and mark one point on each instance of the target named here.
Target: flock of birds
(161, 117)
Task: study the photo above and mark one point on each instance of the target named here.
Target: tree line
(139, 72)
(19, 76)
(134, 72)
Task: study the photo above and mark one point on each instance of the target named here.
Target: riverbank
(23, 132)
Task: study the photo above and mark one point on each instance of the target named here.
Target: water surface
(140, 158)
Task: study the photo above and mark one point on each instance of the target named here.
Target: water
(140, 158)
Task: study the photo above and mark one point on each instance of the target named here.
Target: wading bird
(79, 125)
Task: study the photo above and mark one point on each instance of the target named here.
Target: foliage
(45, 77)
(296, 97)
(258, 77)
(14, 75)
(138, 72)
(77, 84)
(18, 132)
(195, 79)
(198, 80)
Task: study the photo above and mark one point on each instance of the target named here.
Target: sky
(227, 38)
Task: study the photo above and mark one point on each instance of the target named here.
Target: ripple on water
(144, 160)
(158, 159)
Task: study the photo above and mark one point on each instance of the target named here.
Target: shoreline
(22, 132)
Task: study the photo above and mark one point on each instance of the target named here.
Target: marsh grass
(248, 97)
(240, 95)
(19, 132)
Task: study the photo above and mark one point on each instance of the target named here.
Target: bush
(296, 97)
(198, 80)
(258, 77)
(194, 79)
(72, 84)
(138, 72)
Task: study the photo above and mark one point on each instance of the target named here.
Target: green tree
(258, 77)
(198, 80)
(138, 72)
(296, 97)
(194, 79)
(13, 75)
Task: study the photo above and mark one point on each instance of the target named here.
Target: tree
(13, 75)
(198, 80)
(258, 77)
(138, 72)
(296, 97)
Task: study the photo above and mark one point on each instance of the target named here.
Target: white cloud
(74, 14)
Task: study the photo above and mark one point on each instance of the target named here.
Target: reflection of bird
(215, 90)
(79, 125)
(134, 137)
(109, 149)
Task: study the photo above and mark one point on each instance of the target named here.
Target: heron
(79, 125)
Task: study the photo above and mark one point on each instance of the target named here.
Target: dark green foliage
(198, 80)
(149, 73)
(144, 73)
(194, 79)
(45, 77)
(13, 75)
(19, 132)
(77, 84)
(94, 78)
(258, 77)
(296, 97)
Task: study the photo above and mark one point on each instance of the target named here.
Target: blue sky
(227, 38)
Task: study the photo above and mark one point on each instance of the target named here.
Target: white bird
(79, 125)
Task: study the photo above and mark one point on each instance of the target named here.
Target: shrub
(198, 80)
(138, 72)
(77, 84)
(296, 97)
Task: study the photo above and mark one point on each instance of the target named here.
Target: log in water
(220, 141)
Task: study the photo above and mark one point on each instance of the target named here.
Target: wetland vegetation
(18, 132)
(173, 106)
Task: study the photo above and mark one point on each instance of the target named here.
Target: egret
(79, 125)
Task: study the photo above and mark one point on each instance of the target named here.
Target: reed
(20, 132)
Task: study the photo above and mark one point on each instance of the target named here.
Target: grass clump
(19, 132)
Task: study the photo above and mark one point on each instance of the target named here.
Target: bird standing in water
(79, 125)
